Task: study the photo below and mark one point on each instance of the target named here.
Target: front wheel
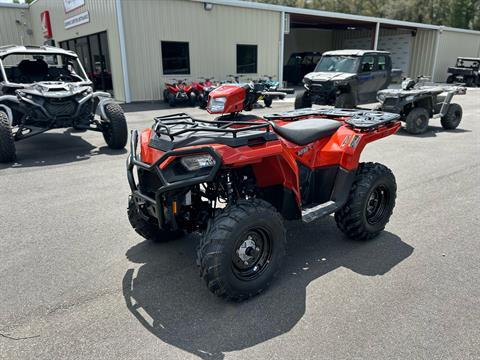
(7, 143)
(303, 100)
(267, 100)
(370, 202)
(148, 228)
(452, 118)
(242, 249)
(450, 79)
(416, 121)
(344, 101)
(115, 130)
(192, 99)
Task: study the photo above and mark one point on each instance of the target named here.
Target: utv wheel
(149, 229)
(242, 249)
(302, 100)
(267, 101)
(417, 121)
(453, 117)
(344, 101)
(370, 202)
(115, 131)
(450, 79)
(7, 143)
(469, 81)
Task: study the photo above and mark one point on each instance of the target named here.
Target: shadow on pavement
(145, 106)
(170, 300)
(431, 132)
(56, 148)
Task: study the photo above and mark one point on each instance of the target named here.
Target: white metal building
(132, 47)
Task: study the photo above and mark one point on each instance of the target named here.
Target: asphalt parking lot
(79, 283)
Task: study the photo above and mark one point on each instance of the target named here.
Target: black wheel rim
(252, 254)
(377, 204)
(421, 122)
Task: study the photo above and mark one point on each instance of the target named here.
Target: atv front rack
(181, 130)
(359, 119)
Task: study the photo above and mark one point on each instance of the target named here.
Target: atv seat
(303, 132)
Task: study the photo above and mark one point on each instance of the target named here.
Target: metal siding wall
(212, 36)
(453, 44)
(102, 18)
(11, 32)
(423, 53)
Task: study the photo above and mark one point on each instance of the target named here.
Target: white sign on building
(76, 20)
(71, 5)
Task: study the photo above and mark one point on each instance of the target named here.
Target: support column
(123, 51)
(281, 46)
(377, 34)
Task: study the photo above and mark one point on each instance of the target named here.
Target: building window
(175, 58)
(246, 59)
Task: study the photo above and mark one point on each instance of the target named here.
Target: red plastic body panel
(235, 95)
(275, 162)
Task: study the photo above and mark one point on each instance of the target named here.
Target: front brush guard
(154, 168)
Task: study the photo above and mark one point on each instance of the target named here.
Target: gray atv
(44, 88)
(417, 103)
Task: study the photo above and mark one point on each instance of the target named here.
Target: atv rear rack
(359, 119)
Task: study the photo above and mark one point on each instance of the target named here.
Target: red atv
(202, 89)
(234, 98)
(179, 92)
(236, 181)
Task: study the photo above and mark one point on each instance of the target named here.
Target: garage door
(400, 47)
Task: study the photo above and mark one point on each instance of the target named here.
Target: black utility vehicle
(299, 64)
(347, 78)
(417, 103)
(43, 88)
(466, 70)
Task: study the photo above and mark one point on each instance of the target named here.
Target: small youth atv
(418, 103)
(234, 98)
(179, 92)
(44, 88)
(202, 89)
(236, 182)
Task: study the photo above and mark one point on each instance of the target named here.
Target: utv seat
(303, 132)
(33, 71)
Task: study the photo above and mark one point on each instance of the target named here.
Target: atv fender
(103, 99)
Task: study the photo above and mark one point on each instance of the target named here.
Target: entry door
(82, 50)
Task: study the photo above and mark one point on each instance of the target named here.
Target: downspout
(377, 34)
(281, 47)
(435, 54)
(123, 52)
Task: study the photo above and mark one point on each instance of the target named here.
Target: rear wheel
(192, 99)
(115, 130)
(302, 100)
(453, 117)
(242, 249)
(7, 143)
(165, 96)
(450, 79)
(469, 81)
(344, 101)
(370, 202)
(149, 229)
(171, 99)
(417, 120)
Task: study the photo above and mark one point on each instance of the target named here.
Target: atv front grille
(60, 107)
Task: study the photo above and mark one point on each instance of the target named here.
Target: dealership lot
(78, 282)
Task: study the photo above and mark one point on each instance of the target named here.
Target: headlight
(217, 104)
(197, 162)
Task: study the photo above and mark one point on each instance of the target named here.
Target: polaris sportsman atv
(236, 182)
(417, 103)
(43, 88)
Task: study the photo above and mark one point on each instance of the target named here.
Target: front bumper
(158, 202)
